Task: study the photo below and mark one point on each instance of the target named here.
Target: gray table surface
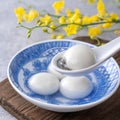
(13, 39)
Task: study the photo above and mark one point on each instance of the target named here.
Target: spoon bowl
(102, 53)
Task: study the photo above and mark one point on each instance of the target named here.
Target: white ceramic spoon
(102, 53)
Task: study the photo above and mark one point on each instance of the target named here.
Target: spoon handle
(104, 52)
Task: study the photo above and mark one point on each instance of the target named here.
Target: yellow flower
(53, 36)
(86, 20)
(31, 15)
(93, 32)
(91, 1)
(69, 13)
(52, 26)
(58, 6)
(77, 11)
(20, 11)
(101, 8)
(60, 36)
(62, 20)
(45, 20)
(107, 25)
(71, 29)
(94, 18)
(114, 16)
(75, 18)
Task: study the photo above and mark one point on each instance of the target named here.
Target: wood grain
(24, 110)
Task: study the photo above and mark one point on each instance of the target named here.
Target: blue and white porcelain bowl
(37, 57)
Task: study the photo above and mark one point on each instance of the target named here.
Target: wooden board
(24, 110)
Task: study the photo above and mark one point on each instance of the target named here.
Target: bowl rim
(41, 103)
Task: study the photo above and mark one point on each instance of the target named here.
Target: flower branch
(70, 23)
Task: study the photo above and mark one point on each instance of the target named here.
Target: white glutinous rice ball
(75, 87)
(79, 57)
(44, 83)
